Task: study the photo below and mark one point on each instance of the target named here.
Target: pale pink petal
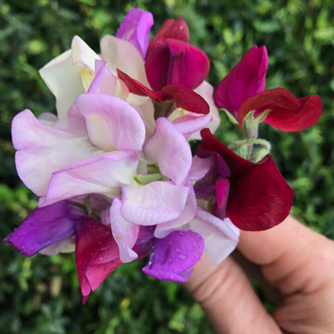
(104, 82)
(124, 56)
(220, 236)
(43, 149)
(103, 174)
(155, 203)
(124, 233)
(206, 91)
(47, 118)
(199, 168)
(190, 123)
(111, 122)
(64, 81)
(162, 230)
(168, 147)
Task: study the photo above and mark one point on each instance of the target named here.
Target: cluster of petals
(242, 91)
(114, 174)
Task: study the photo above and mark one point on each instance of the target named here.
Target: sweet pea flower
(242, 94)
(254, 196)
(95, 145)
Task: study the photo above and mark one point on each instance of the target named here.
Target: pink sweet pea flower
(136, 29)
(254, 196)
(170, 59)
(242, 92)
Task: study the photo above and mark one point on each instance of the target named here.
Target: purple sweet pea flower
(136, 29)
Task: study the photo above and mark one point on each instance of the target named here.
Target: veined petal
(111, 122)
(245, 80)
(154, 203)
(173, 256)
(176, 29)
(124, 232)
(64, 81)
(45, 226)
(220, 236)
(136, 29)
(43, 149)
(199, 168)
(190, 123)
(168, 147)
(103, 174)
(124, 56)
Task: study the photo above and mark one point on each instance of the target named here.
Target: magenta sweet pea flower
(170, 59)
(136, 29)
(242, 91)
(254, 196)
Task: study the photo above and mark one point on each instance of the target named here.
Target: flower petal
(45, 226)
(220, 236)
(136, 29)
(245, 80)
(103, 174)
(176, 29)
(111, 122)
(260, 198)
(43, 149)
(123, 232)
(173, 256)
(154, 203)
(168, 147)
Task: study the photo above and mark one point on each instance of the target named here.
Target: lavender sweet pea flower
(136, 29)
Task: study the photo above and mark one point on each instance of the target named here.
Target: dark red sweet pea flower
(254, 196)
(170, 59)
(242, 91)
(183, 97)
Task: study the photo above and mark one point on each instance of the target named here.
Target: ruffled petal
(43, 149)
(168, 147)
(111, 122)
(102, 174)
(136, 29)
(245, 80)
(45, 226)
(173, 256)
(154, 203)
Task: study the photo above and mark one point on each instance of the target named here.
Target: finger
(290, 254)
(228, 299)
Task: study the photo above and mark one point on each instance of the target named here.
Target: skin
(296, 266)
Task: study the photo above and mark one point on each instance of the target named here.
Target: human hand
(294, 260)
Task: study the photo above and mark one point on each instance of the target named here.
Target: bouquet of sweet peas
(114, 169)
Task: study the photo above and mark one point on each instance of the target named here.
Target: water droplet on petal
(182, 257)
(105, 268)
(178, 250)
(181, 233)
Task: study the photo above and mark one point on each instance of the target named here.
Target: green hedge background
(41, 294)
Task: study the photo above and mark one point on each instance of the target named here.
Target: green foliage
(41, 294)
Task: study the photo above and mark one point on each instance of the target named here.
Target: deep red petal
(138, 88)
(176, 29)
(236, 164)
(245, 80)
(277, 99)
(188, 65)
(92, 237)
(185, 98)
(308, 115)
(260, 198)
(157, 64)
